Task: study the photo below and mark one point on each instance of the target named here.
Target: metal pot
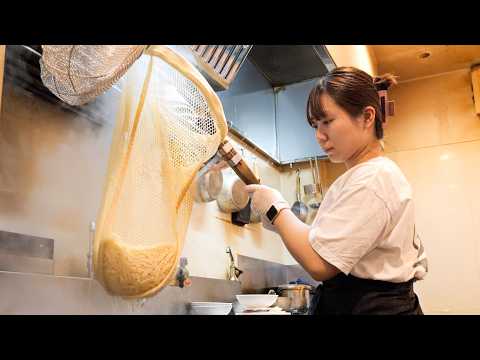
(208, 186)
(233, 196)
(299, 295)
(283, 303)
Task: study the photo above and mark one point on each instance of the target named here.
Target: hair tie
(387, 107)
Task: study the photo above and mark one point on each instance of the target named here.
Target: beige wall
(360, 56)
(435, 139)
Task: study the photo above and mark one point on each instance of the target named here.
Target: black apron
(349, 295)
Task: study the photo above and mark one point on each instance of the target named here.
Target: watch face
(271, 213)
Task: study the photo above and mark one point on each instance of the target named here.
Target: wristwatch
(273, 212)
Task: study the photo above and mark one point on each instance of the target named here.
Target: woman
(362, 244)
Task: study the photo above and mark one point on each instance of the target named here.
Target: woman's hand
(263, 197)
(293, 232)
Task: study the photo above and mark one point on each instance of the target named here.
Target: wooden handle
(245, 173)
(237, 163)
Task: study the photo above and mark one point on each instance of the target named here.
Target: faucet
(233, 272)
(182, 277)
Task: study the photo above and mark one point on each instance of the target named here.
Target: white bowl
(210, 308)
(255, 301)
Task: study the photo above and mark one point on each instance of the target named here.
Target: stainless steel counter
(22, 293)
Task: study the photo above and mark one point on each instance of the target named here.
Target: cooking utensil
(299, 295)
(77, 74)
(311, 189)
(233, 196)
(283, 302)
(170, 122)
(312, 192)
(237, 163)
(208, 186)
(313, 203)
(299, 208)
(242, 217)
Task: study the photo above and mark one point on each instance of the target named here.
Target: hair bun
(383, 82)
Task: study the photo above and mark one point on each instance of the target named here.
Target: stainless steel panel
(26, 253)
(288, 64)
(26, 264)
(259, 275)
(25, 245)
(249, 105)
(295, 136)
(39, 294)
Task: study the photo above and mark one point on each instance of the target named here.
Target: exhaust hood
(281, 65)
(219, 64)
(288, 64)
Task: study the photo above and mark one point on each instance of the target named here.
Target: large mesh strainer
(77, 74)
(169, 124)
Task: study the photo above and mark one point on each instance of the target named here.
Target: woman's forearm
(294, 234)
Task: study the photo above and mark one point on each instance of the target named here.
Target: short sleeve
(349, 228)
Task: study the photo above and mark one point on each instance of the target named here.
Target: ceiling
(406, 62)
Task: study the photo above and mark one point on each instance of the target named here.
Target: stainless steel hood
(220, 63)
(280, 64)
(288, 64)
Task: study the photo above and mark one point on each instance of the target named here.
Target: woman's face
(340, 135)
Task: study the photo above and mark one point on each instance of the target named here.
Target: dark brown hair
(353, 90)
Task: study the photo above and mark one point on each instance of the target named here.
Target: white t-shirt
(365, 225)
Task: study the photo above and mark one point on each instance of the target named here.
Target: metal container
(208, 186)
(283, 303)
(233, 196)
(299, 295)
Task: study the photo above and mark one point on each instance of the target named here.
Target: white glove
(263, 197)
